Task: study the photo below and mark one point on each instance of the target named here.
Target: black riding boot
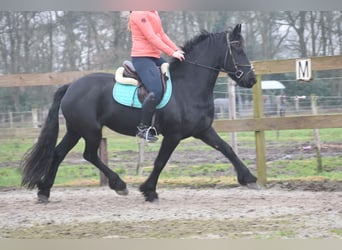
(145, 130)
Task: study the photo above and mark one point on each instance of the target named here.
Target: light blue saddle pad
(128, 94)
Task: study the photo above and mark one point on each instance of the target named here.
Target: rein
(204, 66)
(238, 73)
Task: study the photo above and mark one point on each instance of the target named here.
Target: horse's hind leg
(68, 142)
(244, 176)
(91, 155)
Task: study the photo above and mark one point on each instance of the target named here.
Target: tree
(48, 41)
(297, 21)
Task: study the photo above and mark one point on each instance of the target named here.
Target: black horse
(87, 105)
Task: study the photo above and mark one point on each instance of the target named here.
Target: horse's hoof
(122, 192)
(151, 197)
(43, 199)
(253, 185)
(152, 200)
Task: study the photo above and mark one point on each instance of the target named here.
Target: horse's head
(236, 63)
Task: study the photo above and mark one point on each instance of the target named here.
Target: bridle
(239, 74)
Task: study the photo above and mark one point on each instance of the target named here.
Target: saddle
(127, 75)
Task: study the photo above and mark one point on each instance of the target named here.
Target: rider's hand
(179, 54)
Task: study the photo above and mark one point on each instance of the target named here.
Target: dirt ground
(277, 212)
(283, 210)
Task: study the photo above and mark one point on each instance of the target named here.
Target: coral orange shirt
(148, 36)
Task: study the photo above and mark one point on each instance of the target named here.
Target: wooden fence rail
(279, 123)
(226, 125)
(261, 68)
(259, 124)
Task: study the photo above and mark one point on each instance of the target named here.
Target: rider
(149, 41)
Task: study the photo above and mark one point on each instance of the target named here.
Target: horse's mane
(203, 35)
(189, 45)
(194, 41)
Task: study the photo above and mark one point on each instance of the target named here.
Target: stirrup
(153, 136)
(149, 137)
(145, 133)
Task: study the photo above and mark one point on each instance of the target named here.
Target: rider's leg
(148, 109)
(149, 73)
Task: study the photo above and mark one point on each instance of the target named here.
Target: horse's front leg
(148, 188)
(91, 155)
(244, 176)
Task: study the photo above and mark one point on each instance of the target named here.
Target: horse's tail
(37, 161)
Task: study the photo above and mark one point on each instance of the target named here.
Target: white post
(10, 117)
(232, 111)
(140, 163)
(297, 104)
(317, 137)
(35, 118)
(103, 152)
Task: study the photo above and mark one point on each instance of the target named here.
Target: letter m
(303, 69)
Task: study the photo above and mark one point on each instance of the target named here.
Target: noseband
(239, 74)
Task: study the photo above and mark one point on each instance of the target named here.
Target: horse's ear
(237, 29)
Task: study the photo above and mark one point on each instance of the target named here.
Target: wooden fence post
(104, 158)
(259, 135)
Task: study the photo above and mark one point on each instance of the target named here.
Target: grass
(332, 167)
(11, 152)
(10, 177)
(337, 231)
(76, 173)
(206, 175)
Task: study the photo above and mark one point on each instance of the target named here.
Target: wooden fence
(277, 67)
(259, 124)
